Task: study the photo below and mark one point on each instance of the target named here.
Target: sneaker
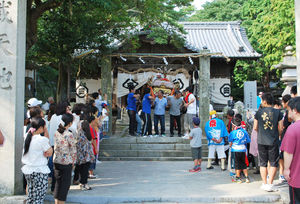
(263, 186)
(270, 188)
(211, 167)
(150, 135)
(156, 135)
(282, 179)
(145, 136)
(85, 187)
(195, 169)
(163, 135)
(247, 180)
(231, 174)
(186, 137)
(91, 176)
(238, 180)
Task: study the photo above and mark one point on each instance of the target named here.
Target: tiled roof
(228, 38)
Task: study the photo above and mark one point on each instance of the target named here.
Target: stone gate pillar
(204, 77)
(12, 82)
(297, 16)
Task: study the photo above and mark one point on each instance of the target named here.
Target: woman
(85, 155)
(64, 158)
(36, 150)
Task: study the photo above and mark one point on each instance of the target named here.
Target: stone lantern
(289, 69)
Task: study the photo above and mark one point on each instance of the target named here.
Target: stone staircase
(148, 149)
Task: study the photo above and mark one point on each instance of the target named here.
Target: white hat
(33, 102)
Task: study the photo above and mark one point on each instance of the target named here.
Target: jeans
(147, 127)
(161, 119)
(139, 123)
(172, 123)
(132, 121)
(51, 167)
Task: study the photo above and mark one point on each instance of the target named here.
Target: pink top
(253, 144)
(291, 145)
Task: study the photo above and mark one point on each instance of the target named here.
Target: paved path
(146, 181)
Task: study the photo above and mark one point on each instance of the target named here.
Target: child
(238, 139)
(105, 120)
(196, 142)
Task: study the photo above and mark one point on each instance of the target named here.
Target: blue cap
(196, 120)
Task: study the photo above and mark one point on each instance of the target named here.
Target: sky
(198, 3)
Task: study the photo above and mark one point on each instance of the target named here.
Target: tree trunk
(62, 83)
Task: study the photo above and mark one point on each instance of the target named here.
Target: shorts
(196, 153)
(105, 126)
(216, 148)
(268, 153)
(240, 160)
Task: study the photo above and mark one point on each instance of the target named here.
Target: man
(146, 113)
(175, 102)
(33, 102)
(268, 124)
(160, 104)
(46, 105)
(294, 92)
(291, 147)
(190, 104)
(216, 131)
(131, 108)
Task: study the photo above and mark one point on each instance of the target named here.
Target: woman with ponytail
(64, 158)
(85, 155)
(35, 153)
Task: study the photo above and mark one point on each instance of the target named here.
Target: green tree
(270, 26)
(96, 24)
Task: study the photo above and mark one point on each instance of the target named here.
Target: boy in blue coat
(238, 140)
(216, 131)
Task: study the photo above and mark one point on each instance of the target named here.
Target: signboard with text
(250, 89)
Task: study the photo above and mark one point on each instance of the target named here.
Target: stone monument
(289, 69)
(12, 82)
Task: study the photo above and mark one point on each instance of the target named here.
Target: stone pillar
(106, 85)
(297, 15)
(12, 82)
(204, 77)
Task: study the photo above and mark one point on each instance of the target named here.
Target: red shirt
(94, 137)
(291, 145)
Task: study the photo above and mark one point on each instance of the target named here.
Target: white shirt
(191, 109)
(54, 123)
(34, 160)
(73, 128)
(105, 117)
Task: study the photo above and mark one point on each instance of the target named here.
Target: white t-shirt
(74, 126)
(191, 109)
(104, 111)
(34, 160)
(53, 126)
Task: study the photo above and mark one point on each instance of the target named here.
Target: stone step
(147, 140)
(147, 147)
(145, 153)
(148, 158)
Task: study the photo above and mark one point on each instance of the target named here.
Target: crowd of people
(60, 140)
(268, 139)
(181, 105)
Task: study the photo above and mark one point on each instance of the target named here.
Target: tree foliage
(270, 26)
(99, 24)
